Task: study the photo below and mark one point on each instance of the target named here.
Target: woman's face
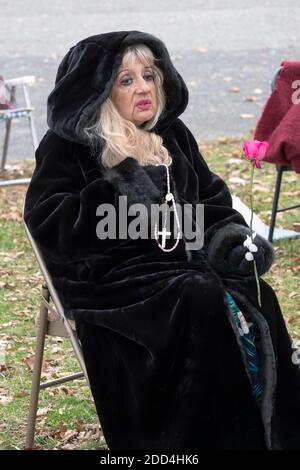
(134, 92)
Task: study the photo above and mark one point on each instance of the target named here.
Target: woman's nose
(142, 86)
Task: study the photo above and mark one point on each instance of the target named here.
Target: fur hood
(86, 74)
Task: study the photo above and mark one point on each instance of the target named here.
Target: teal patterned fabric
(246, 331)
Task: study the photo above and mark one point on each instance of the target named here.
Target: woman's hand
(226, 252)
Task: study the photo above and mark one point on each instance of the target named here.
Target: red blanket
(280, 120)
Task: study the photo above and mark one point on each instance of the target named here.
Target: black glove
(226, 252)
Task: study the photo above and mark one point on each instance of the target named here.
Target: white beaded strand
(168, 197)
(248, 243)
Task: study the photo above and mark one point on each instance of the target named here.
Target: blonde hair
(122, 137)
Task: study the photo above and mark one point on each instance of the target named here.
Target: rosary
(164, 233)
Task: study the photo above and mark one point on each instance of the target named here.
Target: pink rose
(255, 150)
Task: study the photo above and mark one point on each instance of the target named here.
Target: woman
(163, 324)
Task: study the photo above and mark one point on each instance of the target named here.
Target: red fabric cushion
(7, 96)
(280, 120)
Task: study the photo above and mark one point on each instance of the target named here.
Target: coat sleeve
(60, 206)
(225, 229)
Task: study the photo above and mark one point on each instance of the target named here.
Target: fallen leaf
(251, 98)
(57, 339)
(291, 193)
(69, 446)
(61, 427)
(290, 179)
(291, 319)
(234, 89)
(4, 369)
(42, 411)
(247, 116)
(12, 323)
(237, 180)
(80, 426)
(293, 294)
(259, 187)
(21, 394)
(4, 399)
(296, 227)
(68, 435)
(223, 140)
(66, 390)
(56, 349)
(13, 214)
(29, 361)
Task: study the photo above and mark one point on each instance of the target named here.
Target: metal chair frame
(7, 115)
(280, 170)
(61, 327)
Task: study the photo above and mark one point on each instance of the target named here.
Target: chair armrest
(26, 80)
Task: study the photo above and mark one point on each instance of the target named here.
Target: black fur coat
(164, 357)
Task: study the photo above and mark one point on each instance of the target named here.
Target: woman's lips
(144, 105)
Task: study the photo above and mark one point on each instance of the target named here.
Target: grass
(224, 158)
(66, 416)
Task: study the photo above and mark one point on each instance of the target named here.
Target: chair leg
(275, 203)
(33, 132)
(37, 369)
(6, 142)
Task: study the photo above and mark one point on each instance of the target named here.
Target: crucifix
(164, 234)
(169, 197)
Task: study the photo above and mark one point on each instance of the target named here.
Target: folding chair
(53, 322)
(16, 112)
(280, 169)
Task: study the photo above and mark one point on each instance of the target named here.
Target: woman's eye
(126, 81)
(149, 77)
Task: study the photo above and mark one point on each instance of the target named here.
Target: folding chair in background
(10, 109)
(280, 170)
(53, 322)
